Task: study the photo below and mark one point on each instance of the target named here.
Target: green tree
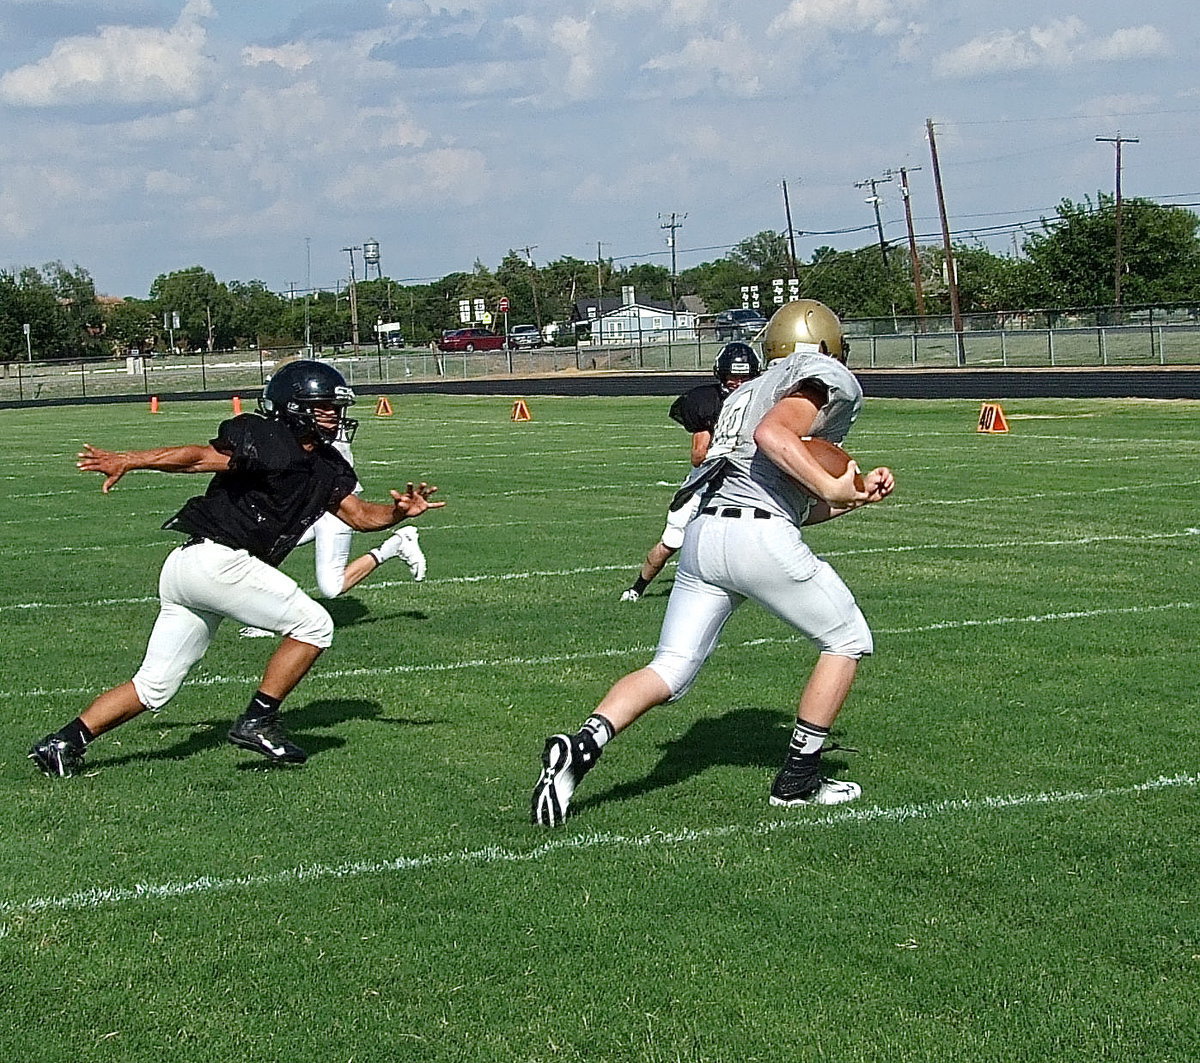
(648, 281)
(1072, 261)
(59, 306)
(204, 306)
(857, 284)
(718, 283)
(766, 255)
(257, 315)
(130, 325)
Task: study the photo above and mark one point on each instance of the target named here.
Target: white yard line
(338, 675)
(502, 577)
(492, 855)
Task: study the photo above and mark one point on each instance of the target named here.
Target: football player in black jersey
(275, 472)
(697, 411)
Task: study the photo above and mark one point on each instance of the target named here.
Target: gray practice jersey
(752, 479)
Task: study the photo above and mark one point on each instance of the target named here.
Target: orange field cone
(154, 404)
(383, 408)
(520, 411)
(237, 405)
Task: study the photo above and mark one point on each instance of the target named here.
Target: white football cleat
(789, 791)
(255, 633)
(630, 596)
(409, 551)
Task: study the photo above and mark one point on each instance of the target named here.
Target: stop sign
(502, 306)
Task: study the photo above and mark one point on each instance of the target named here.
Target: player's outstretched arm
(113, 464)
(375, 516)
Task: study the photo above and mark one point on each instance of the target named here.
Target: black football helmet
(292, 391)
(736, 359)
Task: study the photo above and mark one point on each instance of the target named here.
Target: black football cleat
(56, 757)
(265, 735)
(565, 760)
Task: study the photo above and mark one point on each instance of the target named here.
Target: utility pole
(787, 210)
(599, 275)
(537, 310)
(951, 269)
(1118, 140)
(870, 183)
(671, 226)
(915, 258)
(353, 299)
(307, 295)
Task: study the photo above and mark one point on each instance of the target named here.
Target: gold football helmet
(804, 321)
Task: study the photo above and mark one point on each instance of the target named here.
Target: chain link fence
(1032, 344)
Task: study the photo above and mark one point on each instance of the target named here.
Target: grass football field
(1018, 882)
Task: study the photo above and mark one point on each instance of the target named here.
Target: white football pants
(201, 585)
(332, 536)
(726, 560)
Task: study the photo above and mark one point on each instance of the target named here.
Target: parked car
(524, 337)
(739, 324)
(470, 339)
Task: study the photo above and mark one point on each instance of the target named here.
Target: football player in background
(758, 486)
(331, 537)
(697, 410)
(275, 473)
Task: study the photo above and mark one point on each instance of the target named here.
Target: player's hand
(847, 494)
(110, 463)
(879, 483)
(414, 500)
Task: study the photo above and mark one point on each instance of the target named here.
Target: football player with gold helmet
(758, 486)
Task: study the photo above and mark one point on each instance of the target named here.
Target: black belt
(196, 540)
(735, 511)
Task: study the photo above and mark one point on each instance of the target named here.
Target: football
(831, 458)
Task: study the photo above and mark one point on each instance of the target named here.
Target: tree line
(1068, 262)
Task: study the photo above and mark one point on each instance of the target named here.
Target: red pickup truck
(470, 339)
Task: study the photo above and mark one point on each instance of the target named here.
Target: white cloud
(290, 57)
(728, 63)
(1121, 104)
(576, 39)
(436, 178)
(1057, 44)
(1133, 42)
(120, 64)
(881, 17)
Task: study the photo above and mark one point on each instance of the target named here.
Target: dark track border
(1123, 383)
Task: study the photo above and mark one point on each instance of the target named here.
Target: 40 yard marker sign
(992, 419)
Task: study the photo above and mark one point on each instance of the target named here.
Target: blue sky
(255, 138)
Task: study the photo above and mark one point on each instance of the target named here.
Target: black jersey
(273, 491)
(697, 410)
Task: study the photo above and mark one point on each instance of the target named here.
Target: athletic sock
(77, 733)
(640, 584)
(598, 728)
(804, 750)
(391, 546)
(262, 705)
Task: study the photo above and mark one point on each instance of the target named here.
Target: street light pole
(871, 182)
(914, 256)
(353, 299)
